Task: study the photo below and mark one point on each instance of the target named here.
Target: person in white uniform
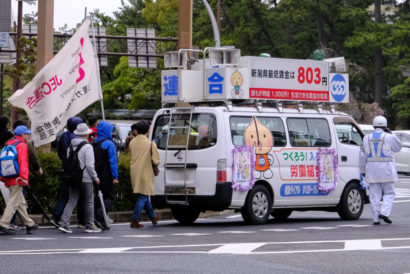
(377, 167)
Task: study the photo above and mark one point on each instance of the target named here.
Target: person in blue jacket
(106, 165)
(62, 146)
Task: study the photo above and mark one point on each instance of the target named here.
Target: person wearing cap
(86, 159)
(378, 168)
(16, 200)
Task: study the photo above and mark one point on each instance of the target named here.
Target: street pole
(1, 89)
(185, 24)
(45, 33)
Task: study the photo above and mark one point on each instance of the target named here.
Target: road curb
(125, 216)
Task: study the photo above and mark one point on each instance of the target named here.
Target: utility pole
(185, 24)
(45, 33)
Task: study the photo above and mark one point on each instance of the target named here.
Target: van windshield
(200, 134)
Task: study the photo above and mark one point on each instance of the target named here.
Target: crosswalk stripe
(237, 248)
(363, 245)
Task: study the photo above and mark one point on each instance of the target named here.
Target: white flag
(63, 88)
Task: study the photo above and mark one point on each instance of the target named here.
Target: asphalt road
(308, 242)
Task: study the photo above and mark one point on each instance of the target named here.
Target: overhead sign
(288, 79)
(4, 39)
(257, 78)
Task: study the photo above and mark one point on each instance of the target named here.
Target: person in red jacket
(16, 184)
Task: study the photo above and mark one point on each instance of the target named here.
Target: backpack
(73, 173)
(102, 164)
(9, 166)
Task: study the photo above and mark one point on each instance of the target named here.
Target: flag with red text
(63, 88)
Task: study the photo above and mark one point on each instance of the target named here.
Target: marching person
(62, 146)
(106, 165)
(16, 200)
(377, 167)
(143, 154)
(5, 135)
(86, 160)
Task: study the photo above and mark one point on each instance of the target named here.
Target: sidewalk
(125, 216)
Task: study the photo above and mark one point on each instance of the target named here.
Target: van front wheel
(185, 215)
(351, 203)
(257, 206)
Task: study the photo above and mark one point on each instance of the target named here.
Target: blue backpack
(9, 166)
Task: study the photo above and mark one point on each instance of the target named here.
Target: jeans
(86, 189)
(143, 201)
(62, 202)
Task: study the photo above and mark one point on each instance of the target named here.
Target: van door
(350, 139)
(188, 154)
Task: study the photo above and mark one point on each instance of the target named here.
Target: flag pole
(98, 68)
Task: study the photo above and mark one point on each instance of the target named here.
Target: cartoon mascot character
(260, 137)
(237, 82)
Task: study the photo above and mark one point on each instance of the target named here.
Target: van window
(309, 132)
(239, 124)
(348, 133)
(201, 134)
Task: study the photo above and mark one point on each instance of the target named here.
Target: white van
(255, 159)
(200, 171)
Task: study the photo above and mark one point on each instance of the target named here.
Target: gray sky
(72, 11)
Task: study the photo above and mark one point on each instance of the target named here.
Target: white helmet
(379, 121)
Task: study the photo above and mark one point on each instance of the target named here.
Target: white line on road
(233, 216)
(237, 248)
(142, 236)
(190, 234)
(105, 250)
(363, 245)
(237, 232)
(279, 230)
(319, 227)
(353, 225)
(401, 201)
(91, 238)
(34, 239)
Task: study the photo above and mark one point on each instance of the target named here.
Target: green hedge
(46, 187)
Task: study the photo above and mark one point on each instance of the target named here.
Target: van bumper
(218, 202)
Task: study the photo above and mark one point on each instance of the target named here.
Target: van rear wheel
(281, 214)
(351, 203)
(185, 215)
(257, 206)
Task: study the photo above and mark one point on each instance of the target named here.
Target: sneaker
(30, 229)
(15, 227)
(376, 223)
(54, 223)
(110, 221)
(5, 231)
(81, 226)
(385, 218)
(65, 229)
(93, 230)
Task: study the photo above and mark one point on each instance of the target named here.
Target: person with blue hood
(106, 165)
(62, 146)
